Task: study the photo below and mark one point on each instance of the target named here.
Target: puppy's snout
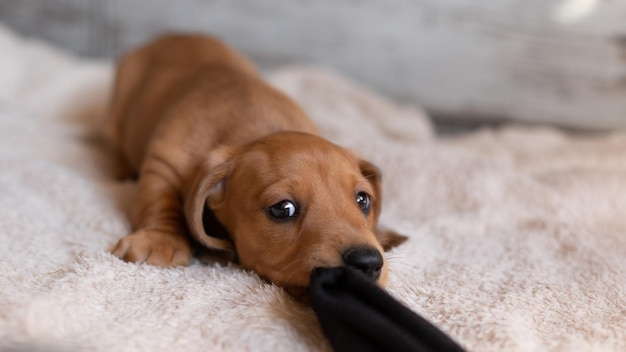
(364, 259)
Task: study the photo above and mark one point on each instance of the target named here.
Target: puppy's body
(194, 93)
(202, 131)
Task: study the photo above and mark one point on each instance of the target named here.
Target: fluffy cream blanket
(517, 235)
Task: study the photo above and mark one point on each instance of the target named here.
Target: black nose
(364, 259)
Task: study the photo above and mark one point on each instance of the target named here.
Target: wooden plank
(557, 61)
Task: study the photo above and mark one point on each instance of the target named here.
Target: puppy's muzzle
(367, 260)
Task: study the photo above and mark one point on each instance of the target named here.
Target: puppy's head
(291, 202)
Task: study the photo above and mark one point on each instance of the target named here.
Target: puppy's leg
(130, 76)
(160, 233)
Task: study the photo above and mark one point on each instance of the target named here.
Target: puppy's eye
(363, 200)
(283, 210)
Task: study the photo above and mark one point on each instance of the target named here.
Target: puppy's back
(190, 51)
(151, 78)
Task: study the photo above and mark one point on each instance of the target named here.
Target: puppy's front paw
(154, 247)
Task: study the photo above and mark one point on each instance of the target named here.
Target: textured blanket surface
(517, 235)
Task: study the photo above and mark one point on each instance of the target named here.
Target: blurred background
(469, 63)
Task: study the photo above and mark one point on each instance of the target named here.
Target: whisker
(293, 272)
(373, 174)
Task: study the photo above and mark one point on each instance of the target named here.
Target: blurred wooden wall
(555, 61)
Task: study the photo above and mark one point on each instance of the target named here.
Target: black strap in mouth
(357, 315)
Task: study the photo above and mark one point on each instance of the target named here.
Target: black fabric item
(357, 315)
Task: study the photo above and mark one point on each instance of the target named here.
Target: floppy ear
(387, 238)
(208, 189)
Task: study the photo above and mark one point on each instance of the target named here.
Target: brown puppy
(215, 148)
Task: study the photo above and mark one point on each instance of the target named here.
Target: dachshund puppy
(228, 162)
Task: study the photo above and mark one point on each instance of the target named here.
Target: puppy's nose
(364, 259)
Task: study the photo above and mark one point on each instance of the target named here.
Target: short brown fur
(200, 129)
